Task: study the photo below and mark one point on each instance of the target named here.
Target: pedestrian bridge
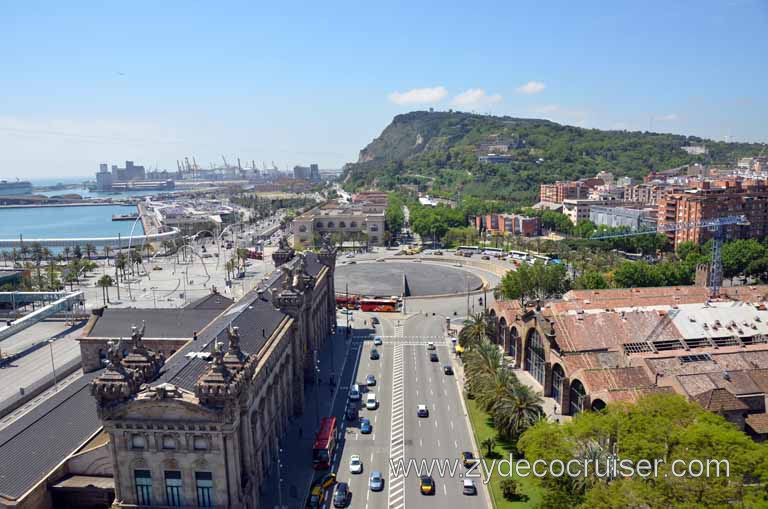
(114, 242)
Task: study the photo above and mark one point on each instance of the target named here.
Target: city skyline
(85, 85)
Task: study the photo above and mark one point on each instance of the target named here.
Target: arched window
(342, 224)
(330, 224)
(514, 337)
(374, 227)
(319, 224)
(353, 224)
(534, 356)
(502, 332)
(577, 395)
(303, 227)
(558, 377)
(598, 405)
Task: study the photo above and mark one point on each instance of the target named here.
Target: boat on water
(125, 217)
(14, 188)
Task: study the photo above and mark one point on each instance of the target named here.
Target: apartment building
(512, 224)
(712, 199)
(562, 190)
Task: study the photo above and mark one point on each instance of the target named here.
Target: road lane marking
(438, 442)
(445, 490)
(396, 485)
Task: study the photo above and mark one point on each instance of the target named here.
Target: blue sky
(314, 82)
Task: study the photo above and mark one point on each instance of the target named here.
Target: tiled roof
(596, 380)
(758, 423)
(736, 382)
(629, 395)
(33, 445)
(590, 360)
(213, 301)
(720, 400)
(609, 330)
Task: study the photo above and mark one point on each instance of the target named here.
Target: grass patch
(482, 426)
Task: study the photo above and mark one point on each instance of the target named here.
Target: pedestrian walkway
(296, 445)
(551, 408)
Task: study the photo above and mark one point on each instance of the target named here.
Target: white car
(355, 464)
(354, 393)
(370, 401)
(421, 411)
(377, 340)
(431, 345)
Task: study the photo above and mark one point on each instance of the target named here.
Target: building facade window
(201, 444)
(342, 224)
(319, 224)
(374, 227)
(173, 488)
(143, 481)
(204, 483)
(331, 224)
(138, 441)
(558, 376)
(303, 228)
(577, 397)
(169, 442)
(353, 224)
(534, 357)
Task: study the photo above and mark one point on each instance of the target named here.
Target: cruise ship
(14, 188)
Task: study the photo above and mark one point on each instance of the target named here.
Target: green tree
(476, 328)
(537, 281)
(738, 254)
(591, 280)
(104, 283)
(489, 443)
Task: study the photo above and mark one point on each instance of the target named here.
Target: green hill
(438, 152)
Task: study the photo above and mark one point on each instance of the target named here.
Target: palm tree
(519, 409)
(67, 250)
(24, 251)
(104, 283)
(107, 250)
(14, 255)
(121, 262)
(489, 443)
(476, 328)
(89, 250)
(148, 249)
(490, 389)
(481, 363)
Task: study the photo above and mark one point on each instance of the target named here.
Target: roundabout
(404, 278)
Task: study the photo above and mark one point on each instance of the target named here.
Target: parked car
(328, 480)
(351, 413)
(376, 481)
(370, 380)
(422, 411)
(365, 426)
(354, 393)
(316, 497)
(375, 320)
(370, 401)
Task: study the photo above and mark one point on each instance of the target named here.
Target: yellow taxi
(426, 485)
(316, 497)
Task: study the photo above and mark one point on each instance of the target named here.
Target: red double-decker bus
(347, 301)
(379, 305)
(325, 444)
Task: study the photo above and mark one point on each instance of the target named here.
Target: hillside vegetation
(438, 153)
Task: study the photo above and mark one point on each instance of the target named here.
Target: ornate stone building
(202, 428)
(595, 347)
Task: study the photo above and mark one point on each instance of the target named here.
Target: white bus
(546, 260)
(493, 251)
(468, 249)
(518, 255)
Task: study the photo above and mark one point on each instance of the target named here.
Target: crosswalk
(396, 496)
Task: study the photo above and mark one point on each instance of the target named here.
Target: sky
(297, 83)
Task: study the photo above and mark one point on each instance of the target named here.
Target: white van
(354, 393)
(370, 401)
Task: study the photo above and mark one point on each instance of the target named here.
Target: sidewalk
(296, 446)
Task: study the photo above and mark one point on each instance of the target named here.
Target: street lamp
(53, 365)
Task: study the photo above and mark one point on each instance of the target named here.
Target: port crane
(717, 225)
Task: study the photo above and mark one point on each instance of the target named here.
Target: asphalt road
(405, 378)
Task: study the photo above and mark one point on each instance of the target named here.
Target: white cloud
(419, 95)
(532, 87)
(475, 97)
(671, 117)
